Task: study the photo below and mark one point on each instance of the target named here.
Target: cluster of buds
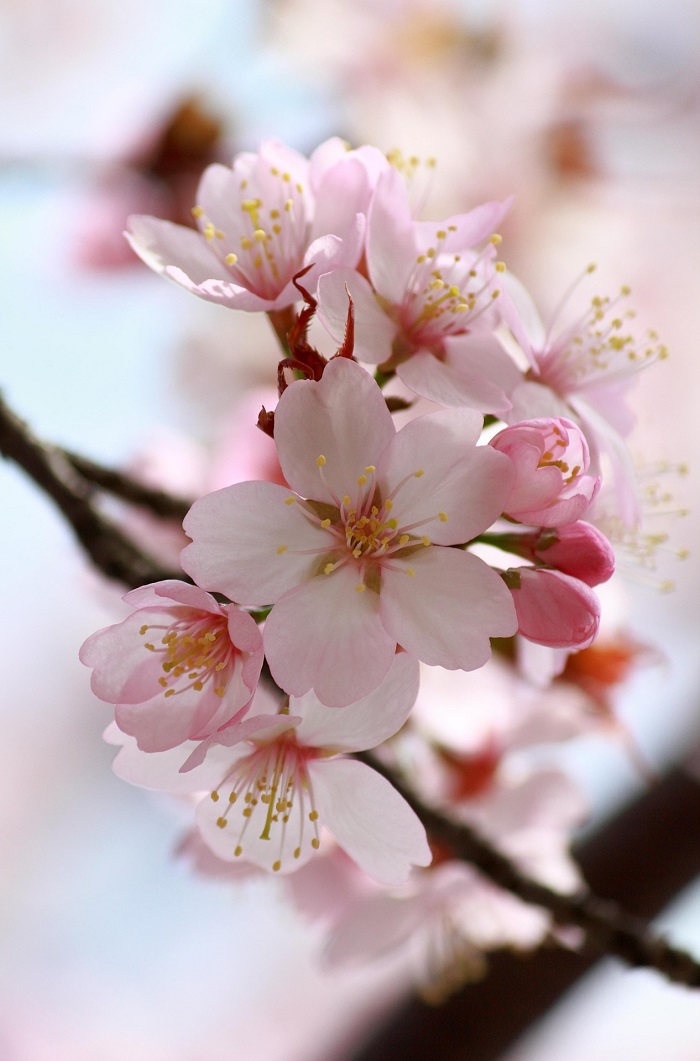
(367, 582)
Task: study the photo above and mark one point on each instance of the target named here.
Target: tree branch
(608, 928)
(128, 489)
(69, 480)
(110, 550)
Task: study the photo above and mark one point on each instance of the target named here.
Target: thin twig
(608, 929)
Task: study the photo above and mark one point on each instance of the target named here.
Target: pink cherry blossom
(261, 222)
(429, 306)
(358, 558)
(584, 370)
(553, 609)
(271, 795)
(180, 668)
(550, 458)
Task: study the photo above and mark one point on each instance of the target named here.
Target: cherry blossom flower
(551, 458)
(428, 308)
(584, 370)
(271, 795)
(261, 222)
(180, 668)
(357, 559)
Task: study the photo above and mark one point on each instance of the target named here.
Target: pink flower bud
(550, 457)
(553, 609)
(578, 549)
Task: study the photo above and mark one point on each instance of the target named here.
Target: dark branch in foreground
(70, 482)
(608, 929)
(109, 549)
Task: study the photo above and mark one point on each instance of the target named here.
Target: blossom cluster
(354, 602)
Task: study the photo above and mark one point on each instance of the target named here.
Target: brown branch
(110, 550)
(608, 929)
(123, 486)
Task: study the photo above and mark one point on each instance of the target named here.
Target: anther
(443, 517)
(231, 259)
(281, 549)
(320, 460)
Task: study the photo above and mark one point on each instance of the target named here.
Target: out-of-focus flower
(180, 668)
(584, 370)
(263, 221)
(356, 561)
(158, 176)
(551, 459)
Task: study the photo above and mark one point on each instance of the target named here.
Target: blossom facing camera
(551, 458)
(181, 668)
(356, 557)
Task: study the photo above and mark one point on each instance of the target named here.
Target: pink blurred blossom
(261, 222)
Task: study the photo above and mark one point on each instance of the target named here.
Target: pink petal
(469, 377)
(344, 418)
(369, 819)
(463, 230)
(158, 724)
(448, 609)
(122, 668)
(374, 329)
(327, 636)
(369, 721)
(374, 925)
(175, 251)
(391, 245)
(555, 610)
(238, 534)
(459, 479)
(161, 770)
(172, 591)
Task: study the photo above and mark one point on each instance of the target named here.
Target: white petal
(369, 819)
(366, 723)
(448, 609)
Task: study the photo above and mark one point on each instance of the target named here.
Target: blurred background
(111, 949)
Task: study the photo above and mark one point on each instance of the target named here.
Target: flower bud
(577, 549)
(550, 457)
(553, 609)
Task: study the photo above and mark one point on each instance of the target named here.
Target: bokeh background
(110, 948)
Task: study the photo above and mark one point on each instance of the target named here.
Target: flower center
(195, 652)
(271, 799)
(446, 293)
(596, 348)
(268, 244)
